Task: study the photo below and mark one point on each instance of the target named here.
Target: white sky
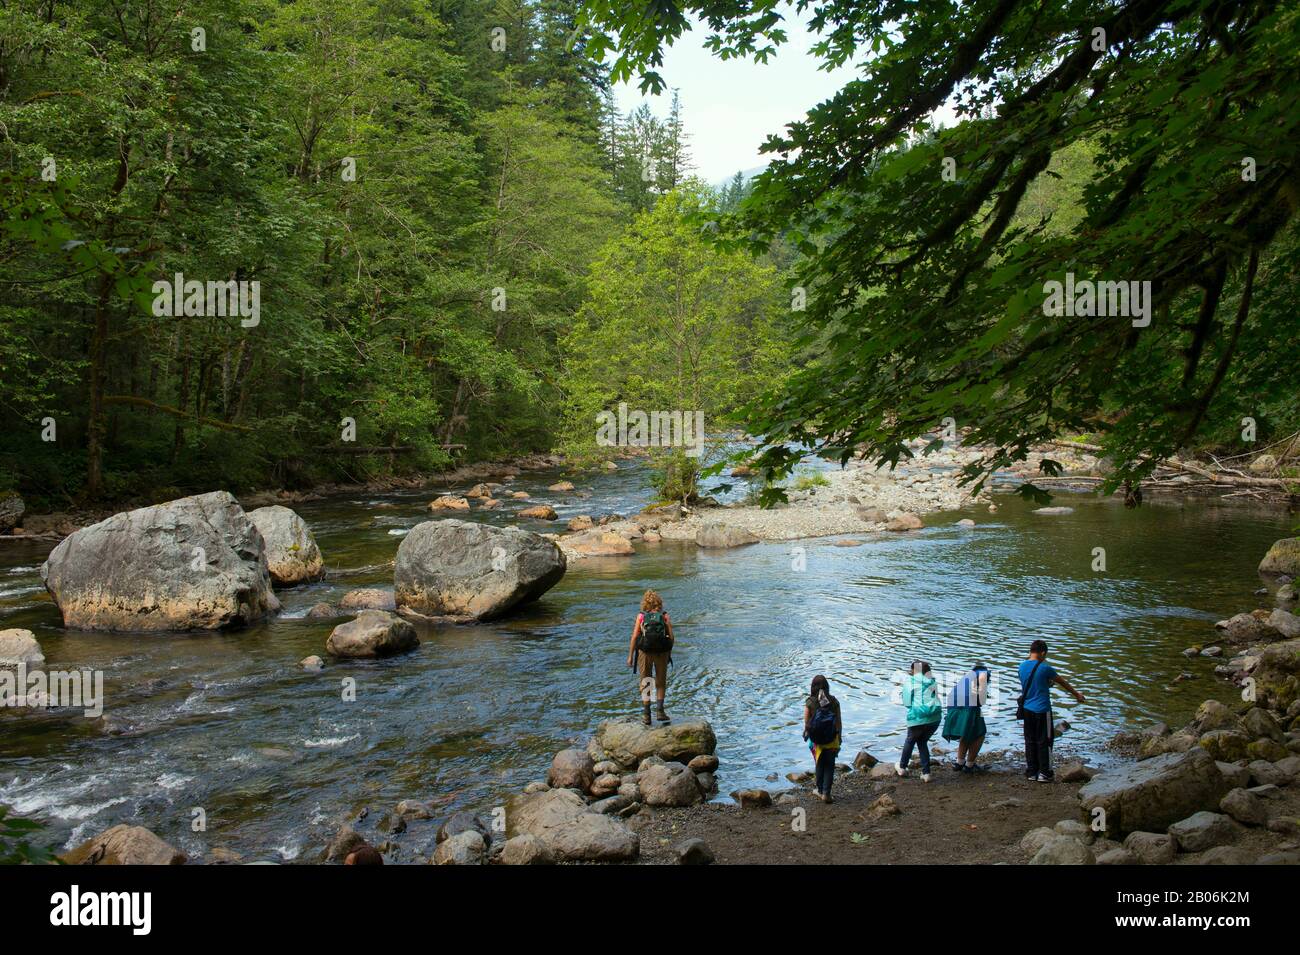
(731, 107)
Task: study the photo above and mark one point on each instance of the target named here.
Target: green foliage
(475, 170)
(15, 847)
(1128, 159)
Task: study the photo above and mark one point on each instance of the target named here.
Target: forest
(462, 250)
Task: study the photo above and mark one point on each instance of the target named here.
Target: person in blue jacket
(1036, 680)
(921, 697)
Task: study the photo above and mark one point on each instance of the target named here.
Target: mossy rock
(1282, 558)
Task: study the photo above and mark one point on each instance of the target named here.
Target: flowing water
(277, 758)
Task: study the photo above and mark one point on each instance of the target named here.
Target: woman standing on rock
(652, 641)
(965, 720)
(822, 728)
(923, 713)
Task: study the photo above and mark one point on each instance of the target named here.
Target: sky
(730, 108)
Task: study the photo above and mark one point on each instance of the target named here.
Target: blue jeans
(918, 736)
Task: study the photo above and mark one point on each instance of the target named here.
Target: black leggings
(918, 736)
(826, 770)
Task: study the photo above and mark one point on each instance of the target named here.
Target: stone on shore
(463, 569)
(561, 820)
(704, 763)
(1203, 830)
(671, 784)
(752, 798)
(1153, 794)
(628, 742)
(1063, 850)
(459, 822)
(905, 522)
(718, 536)
(464, 848)
(292, 555)
(197, 563)
(373, 633)
(571, 769)
(1245, 807)
(124, 845)
(864, 761)
(323, 611)
(19, 647)
(1277, 675)
(1282, 558)
(1151, 848)
(526, 850)
(693, 851)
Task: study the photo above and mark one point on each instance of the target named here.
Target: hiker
(652, 642)
(965, 720)
(1035, 708)
(822, 728)
(923, 713)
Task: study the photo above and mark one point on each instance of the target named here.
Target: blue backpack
(822, 729)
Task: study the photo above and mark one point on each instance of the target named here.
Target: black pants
(918, 736)
(1038, 744)
(826, 770)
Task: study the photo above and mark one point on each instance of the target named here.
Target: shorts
(656, 665)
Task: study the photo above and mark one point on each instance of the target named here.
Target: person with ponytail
(965, 720)
(822, 728)
(923, 714)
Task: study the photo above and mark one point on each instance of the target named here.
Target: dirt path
(953, 819)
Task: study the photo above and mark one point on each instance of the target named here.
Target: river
(277, 758)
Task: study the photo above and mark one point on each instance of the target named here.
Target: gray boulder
(1063, 850)
(1203, 830)
(671, 784)
(693, 851)
(526, 850)
(124, 845)
(373, 633)
(628, 742)
(722, 535)
(1151, 848)
(197, 563)
(464, 848)
(560, 819)
(462, 569)
(1282, 558)
(1152, 794)
(1245, 807)
(291, 552)
(19, 646)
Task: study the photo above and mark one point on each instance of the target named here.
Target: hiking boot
(660, 715)
(645, 714)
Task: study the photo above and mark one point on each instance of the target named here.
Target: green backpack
(654, 633)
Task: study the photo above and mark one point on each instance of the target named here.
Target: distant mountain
(748, 174)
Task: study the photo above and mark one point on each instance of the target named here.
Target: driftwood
(1222, 478)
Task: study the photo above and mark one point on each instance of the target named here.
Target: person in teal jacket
(921, 697)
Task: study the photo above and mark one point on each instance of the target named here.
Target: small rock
(1063, 850)
(464, 848)
(752, 798)
(1203, 830)
(704, 763)
(1151, 848)
(883, 806)
(693, 852)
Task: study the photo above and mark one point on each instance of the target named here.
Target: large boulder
(561, 820)
(291, 552)
(722, 535)
(1154, 793)
(1277, 675)
(374, 633)
(197, 563)
(627, 742)
(19, 648)
(124, 845)
(1282, 558)
(670, 784)
(462, 569)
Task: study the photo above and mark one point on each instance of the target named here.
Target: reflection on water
(276, 757)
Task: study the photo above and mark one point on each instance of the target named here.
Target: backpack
(654, 633)
(822, 728)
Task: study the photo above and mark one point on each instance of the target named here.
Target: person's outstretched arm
(1068, 689)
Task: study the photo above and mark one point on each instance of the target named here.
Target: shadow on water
(277, 757)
